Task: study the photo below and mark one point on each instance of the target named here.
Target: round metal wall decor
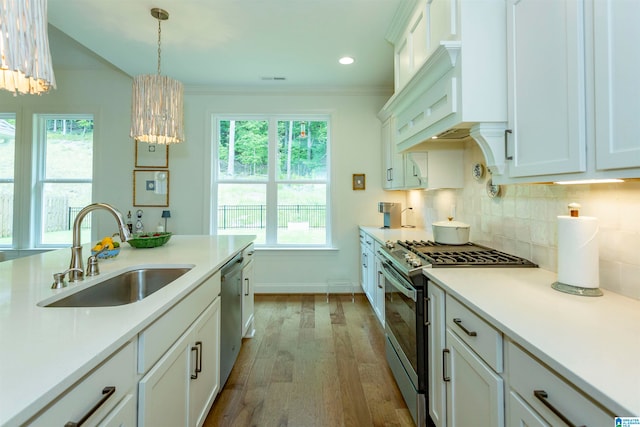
(493, 190)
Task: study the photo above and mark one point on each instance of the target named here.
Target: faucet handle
(58, 278)
(92, 263)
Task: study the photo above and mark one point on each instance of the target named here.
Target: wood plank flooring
(312, 363)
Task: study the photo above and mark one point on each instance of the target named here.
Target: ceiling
(240, 43)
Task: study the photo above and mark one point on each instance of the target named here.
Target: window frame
(38, 160)
(272, 182)
(11, 115)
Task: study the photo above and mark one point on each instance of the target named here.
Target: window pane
(302, 150)
(243, 149)
(7, 160)
(302, 214)
(61, 203)
(242, 209)
(69, 149)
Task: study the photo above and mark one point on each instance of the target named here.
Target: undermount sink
(125, 288)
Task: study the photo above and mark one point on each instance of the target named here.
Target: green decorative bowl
(149, 240)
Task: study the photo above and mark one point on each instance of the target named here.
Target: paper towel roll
(578, 257)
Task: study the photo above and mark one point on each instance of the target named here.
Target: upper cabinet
(450, 74)
(547, 106)
(570, 113)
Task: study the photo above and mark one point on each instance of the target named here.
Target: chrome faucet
(76, 267)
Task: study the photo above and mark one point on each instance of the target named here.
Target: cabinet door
(392, 161)
(379, 291)
(205, 364)
(437, 385)
(163, 392)
(521, 414)
(546, 66)
(247, 300)
(475, 394)
(616, 60)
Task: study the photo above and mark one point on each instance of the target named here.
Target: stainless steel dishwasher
(230, 315)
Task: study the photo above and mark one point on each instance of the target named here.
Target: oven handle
(397, 282)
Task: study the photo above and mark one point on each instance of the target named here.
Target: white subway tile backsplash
(523, 221)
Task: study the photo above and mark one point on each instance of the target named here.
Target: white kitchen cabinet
(550, 396)
(570, 113)
(248, 329)
(392, 160)
(181, 387)
(547, 104)
(367, 266)
(205, 368)
(475, 393)
(378, 305)
(163, 392)
(95, 396)
(179, 356)
(617, 61)
(437, 343)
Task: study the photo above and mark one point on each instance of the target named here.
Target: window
(7, 170)
(64, 171)
(272, 179)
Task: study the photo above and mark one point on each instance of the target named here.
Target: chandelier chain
(159, 49)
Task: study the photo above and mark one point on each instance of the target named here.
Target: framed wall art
(151, 155)
(358, 181)
(151, 188)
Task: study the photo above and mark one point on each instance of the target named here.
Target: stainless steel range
(406, 313)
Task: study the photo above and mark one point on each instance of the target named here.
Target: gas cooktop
(413, 254)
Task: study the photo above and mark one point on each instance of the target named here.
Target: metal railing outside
(255, 216)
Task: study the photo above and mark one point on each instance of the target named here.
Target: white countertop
(45, 350)
(594, 342)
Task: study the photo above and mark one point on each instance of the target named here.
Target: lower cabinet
(521, 414)
(248, 295)
(124, 414)
(437, 343)
(475, 395)
(98, 397)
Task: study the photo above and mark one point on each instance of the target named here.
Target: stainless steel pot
(451, 232)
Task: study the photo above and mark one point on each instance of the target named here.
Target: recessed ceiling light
(346, 60)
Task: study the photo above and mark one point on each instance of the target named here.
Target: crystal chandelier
(25, 60)
(157, 103)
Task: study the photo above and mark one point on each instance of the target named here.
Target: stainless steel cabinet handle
(107, 392)
(458, 322)
(445, 378)
(542, 396)
(247, 282)
(506, 150)
(380, 274)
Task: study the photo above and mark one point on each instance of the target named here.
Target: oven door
(400, 319)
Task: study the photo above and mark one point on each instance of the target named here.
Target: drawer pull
(445, 378)
(506, 148)
(458, 322)
(196, 348)
(542, 396)
(426, 312)
(247, 282)
(107, 393)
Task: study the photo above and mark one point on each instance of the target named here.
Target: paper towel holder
(576, 290)
(574, 209)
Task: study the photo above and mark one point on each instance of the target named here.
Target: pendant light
(157, 103)
(25, 59)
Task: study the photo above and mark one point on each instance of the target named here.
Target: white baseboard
(307, 288)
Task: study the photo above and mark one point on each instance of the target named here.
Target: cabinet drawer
(478, 334)
(118, 371)
(528, 376)
(154, 341)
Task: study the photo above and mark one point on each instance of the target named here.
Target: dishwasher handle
(232, 267)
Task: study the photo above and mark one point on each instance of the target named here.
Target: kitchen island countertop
(47, 349)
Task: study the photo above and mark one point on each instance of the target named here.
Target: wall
(523, 221)
(355, 148)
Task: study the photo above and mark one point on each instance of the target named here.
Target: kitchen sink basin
(125, 288)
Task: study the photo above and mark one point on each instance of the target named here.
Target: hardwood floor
(311, 363)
